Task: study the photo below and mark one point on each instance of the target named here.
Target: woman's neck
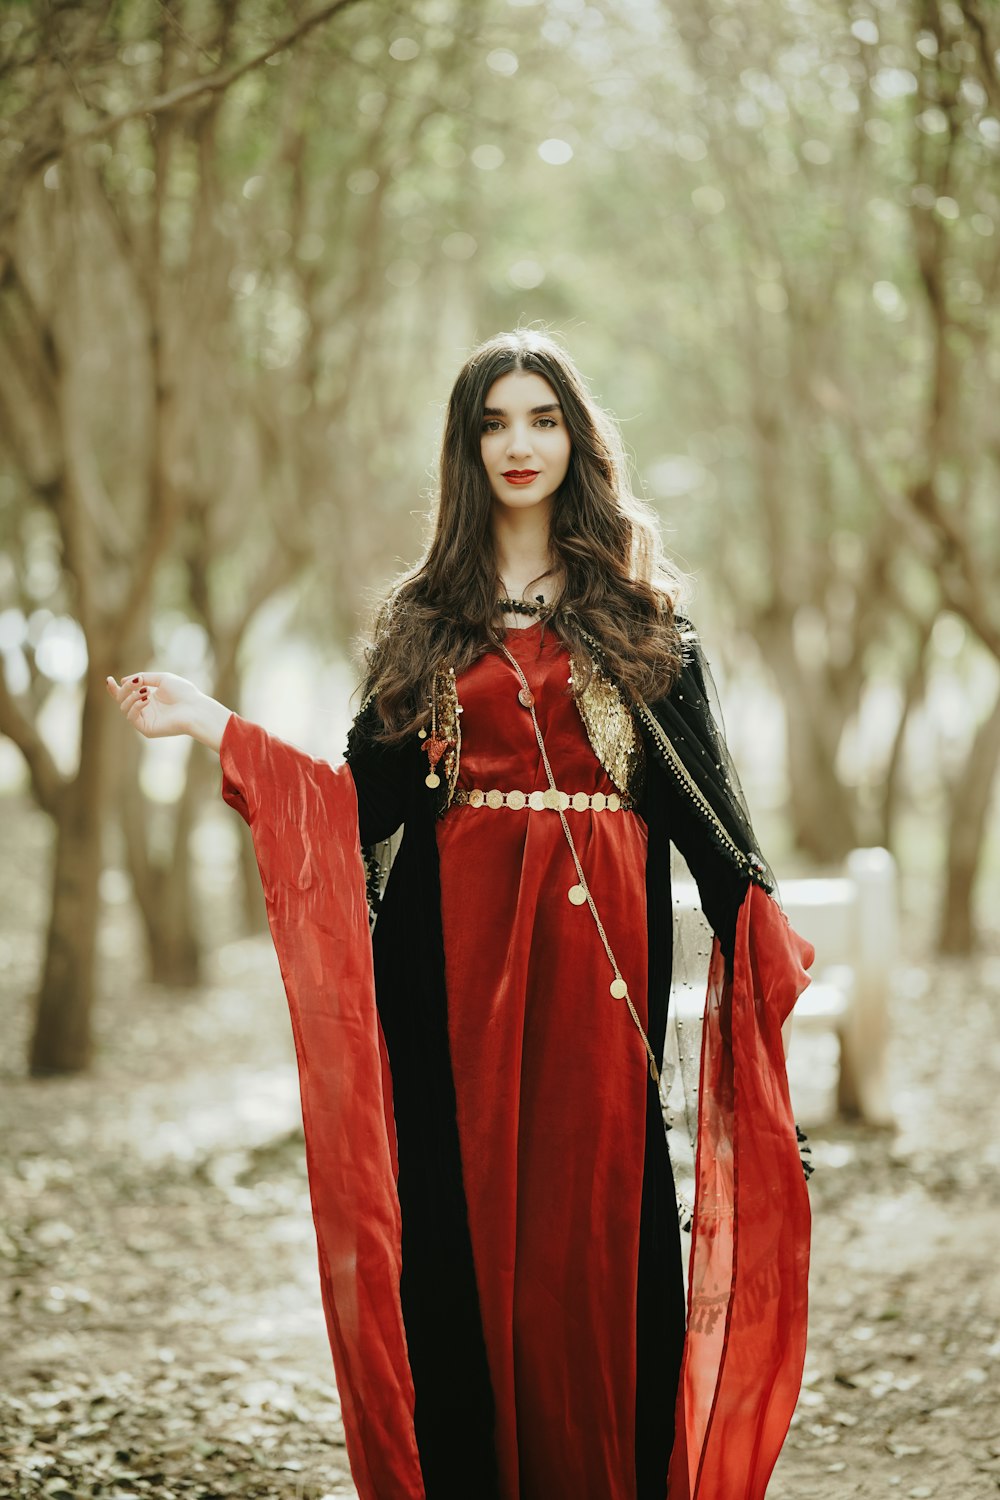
(522, 552)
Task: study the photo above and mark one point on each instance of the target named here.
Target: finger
(127, 685)
(134, 680)
(135, 713)
(137, 695)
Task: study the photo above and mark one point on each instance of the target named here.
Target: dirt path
(162, 1321)
(162, 1324)
(904, 1348)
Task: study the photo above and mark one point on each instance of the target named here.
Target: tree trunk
(175, 946)
(970, 801)
(61, 1039)
(822, 810)
(915, 686)
(162, 884)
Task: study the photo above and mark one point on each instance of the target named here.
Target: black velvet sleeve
(716, 848)
(382, 774)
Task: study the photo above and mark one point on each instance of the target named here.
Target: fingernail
(135, 679)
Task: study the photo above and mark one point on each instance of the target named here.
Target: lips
(520, 476)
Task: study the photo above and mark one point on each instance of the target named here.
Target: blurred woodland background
(244, 249)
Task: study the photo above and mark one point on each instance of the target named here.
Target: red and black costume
(496, 1218)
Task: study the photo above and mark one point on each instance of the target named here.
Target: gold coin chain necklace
(580, 892)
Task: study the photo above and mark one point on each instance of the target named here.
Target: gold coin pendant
(432, 780)
(577, 894)
(619, 989)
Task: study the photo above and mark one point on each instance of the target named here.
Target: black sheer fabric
(692, 748)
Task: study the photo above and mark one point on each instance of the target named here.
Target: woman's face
(525, 441)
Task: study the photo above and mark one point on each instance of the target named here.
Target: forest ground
(161, 1320)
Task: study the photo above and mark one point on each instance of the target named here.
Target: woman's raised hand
(161, 703)
(165, 704)
(156, 703)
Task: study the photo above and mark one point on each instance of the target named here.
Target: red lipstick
(520, 476)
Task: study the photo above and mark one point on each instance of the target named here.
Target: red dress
(550, 1077)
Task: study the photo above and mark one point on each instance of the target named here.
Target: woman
(480, 1030)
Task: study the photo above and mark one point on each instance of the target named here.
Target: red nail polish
(135, 679)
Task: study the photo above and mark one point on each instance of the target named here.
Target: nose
(519, 442)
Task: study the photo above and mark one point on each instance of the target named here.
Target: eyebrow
(498, 411)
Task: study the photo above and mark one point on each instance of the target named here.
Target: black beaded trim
(524, 607)
(373, 882)
(751, 863)
(805, 1150)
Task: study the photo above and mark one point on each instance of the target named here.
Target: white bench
(852, 921)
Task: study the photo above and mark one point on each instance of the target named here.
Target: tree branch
(46, 779)
(212, 83)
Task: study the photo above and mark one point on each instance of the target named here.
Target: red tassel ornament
(434, 744)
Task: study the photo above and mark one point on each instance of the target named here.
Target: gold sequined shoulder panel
(613, 733)
(449, 726)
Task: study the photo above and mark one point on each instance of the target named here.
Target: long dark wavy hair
(618, 585)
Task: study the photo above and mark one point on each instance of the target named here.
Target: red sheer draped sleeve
(749, 1258)
(303, 814)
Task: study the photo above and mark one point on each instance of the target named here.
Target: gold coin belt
(539, 801)
(579, 893)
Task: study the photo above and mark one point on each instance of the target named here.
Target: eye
(551, 421)
(490, 424)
